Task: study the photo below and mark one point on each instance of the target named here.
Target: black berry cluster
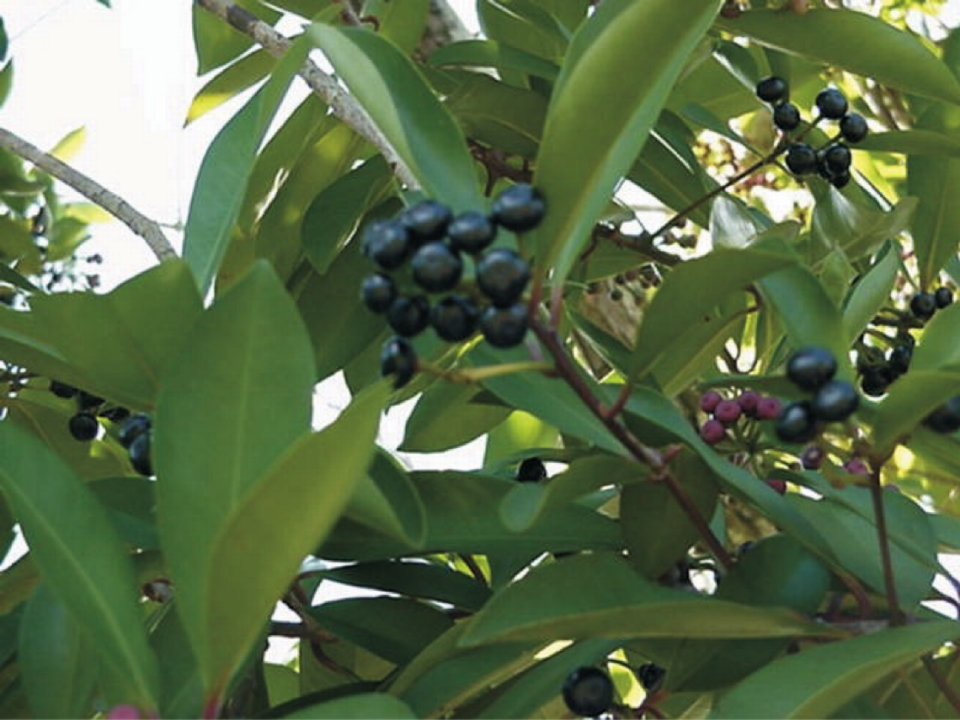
(134, 435)
(833, 160)
(429, 243)
(924, 304)
(812, 369)
(588, 691)
(727, 412)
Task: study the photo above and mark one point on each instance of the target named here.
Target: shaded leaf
(234, 79)
(362, 707)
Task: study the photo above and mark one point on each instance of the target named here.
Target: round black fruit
(943, 297)
(387, 243)
(506, 327)
(531, 470)
(811, 368)
(472, 232)
(115, 414)
(436, 268)
(831, 103)
(398, 358)
(409, 315)
(426, 221)
(651, 675)
(132, 428)
(899, 359)
(923, 305)
(835, 401)
(772, 89)
(853, 127)
(588, 692)
(837, 159)
(519, 208)
(140, 454)
(946, 418)
(796, 423)
(840, 180)
(786, 117)
(876, 380)
(84, 427)
(86, 401)
(378, 291)
(502, 275)
(454, 318)
(62, 389)
(801, 159)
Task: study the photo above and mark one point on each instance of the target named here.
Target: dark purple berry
(853, 127)
(472, 232)
(408, 316)
(115, 414)
(835, 401)
(84, 427)
(831, 103)
(436, 268)
(943, 297)
(772, 89)
(900, 357)
(378, 291)
(709, 401)
(769, 408)
(796, 423)
(531, 470)
(454, 318)
(62, 389)
(712, 432)
(519, 208)
(398, 358)
(426, 221)
(837, 159)
(778, 486)
(502, 275)
(651, 677)
(748, 402)
(812, 457)
(786, 117)
(946, 418)
(876, 379)
(87, 401)
(810, 368)
(728, 412)
(132, 428)
(506, 327)
(588, 692)
(140, 455)
(856, 466)
(387, 243)
(923, 305)
(840, 180)
(801, 159)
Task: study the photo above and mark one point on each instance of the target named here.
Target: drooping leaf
(234, 79)
(870, 294)
(365, 706)
(216, 42)
(490, 53)
(911, 399)
(912, 142)
(429, 428)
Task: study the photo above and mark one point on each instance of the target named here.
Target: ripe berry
(132, 428)
(472, 232)
(531, 470)
(943, 297)
(801, 159)
(387, 243)
(62, 389)
(709, 401)
(505, 327)
(426, 221)
(778, 486)
(748, 402)
(519, 208)
(140, 454)
(946, 418)
(399, 359)
(84, 427)
(409, 315)
(840, 180)
(786, 117)
(810, 368)
(712, 432)
(86, 401)
(899, 359)
(769, 408)
(378, 291)
(502, 275)
(837, 159)
(651, 677)
(728, 412)
(835, 401)
(923, 305)
(812, 457)
(436, 268)
(772, 89)
(831, 103)
(115, 414)
(454, 318)
(853, 127)
(875, 380)
(796, 423)
(588, 692)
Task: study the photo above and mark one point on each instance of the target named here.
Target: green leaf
(870, 293)
(490, 53)
(853, 41)
(79, 557)
(429, 428)
(387, 500)
(578, 172)
(230, 81)
(938, 347)
(366, 706)
(841, 224)
(391, 89)
(911, 399)
(402, 23)
(222, 180)
(216, 42)
(228, 408)
(603, 597)
(70, 144)
(822, 678)
(912, 142)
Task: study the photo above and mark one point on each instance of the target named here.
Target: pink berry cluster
(726, 412)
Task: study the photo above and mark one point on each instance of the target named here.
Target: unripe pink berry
(748, 402)
(779, 486)
(768, 408)
(709, 401)
(728, 412)
(856, 466)
(712, 432)
(124, 712)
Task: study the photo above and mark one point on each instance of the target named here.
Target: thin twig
(876, 492)
(941, 682)
(325, 86)
(93, 191)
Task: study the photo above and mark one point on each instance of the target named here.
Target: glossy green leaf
(80, 557)
(364, 706)
(854, 41)
(229, 407)
(216, 42)
(912, 142)
(411, 117)
(499, 115)
(938, 346)
(839, 223)
(234, 79)
(490, 53)
(820, 679)
(70, 144)
(429, 428)
(387, 500)
(222, 180)
(523, 24)
(402, 23)
(578, 172)
(181, 687)
(600, 595)
(870, 293)
(911, 399)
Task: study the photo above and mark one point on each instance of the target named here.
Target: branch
(114, 204)
(343, 105)
(876, 492)
(941, 683)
